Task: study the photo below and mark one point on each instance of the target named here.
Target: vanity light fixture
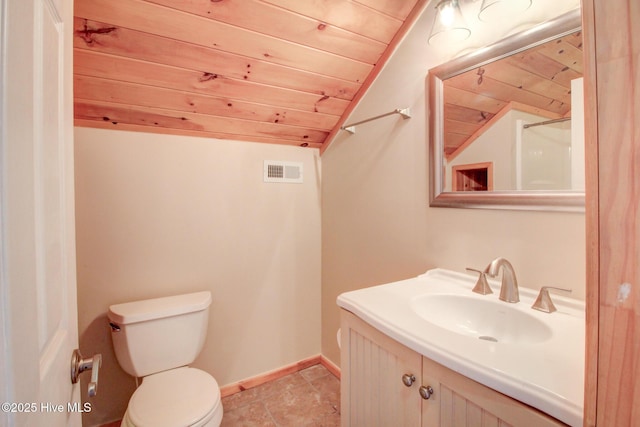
(448, 25)
(498, 10)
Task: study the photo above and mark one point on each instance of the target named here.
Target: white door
(38, 313)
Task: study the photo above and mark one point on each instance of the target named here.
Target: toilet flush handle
(79, 365)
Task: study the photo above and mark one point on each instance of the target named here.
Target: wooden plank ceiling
(273, 71)
(537, 80)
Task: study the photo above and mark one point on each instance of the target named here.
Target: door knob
(79, 365)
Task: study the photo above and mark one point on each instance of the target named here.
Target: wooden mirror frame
(572, 201)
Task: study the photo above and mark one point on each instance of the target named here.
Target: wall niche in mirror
(506, 123)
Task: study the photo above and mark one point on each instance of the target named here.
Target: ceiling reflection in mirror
(508, 122)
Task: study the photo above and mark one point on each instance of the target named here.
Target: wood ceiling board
(528, 81)
(395, 8)
(157, 117)
(201, 134)
(257, 16)
(103, 38)
(564, 53)
(98, 89)
(455, 96)
(505, 92)
(544, 66)
(146, 73)
(452, 141)
(461, 128)
(167, 22)
(351, 16)
(467, 115)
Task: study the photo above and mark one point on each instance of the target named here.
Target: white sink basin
(479, 318)
(536, 358)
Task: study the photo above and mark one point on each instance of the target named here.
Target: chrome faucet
(509, 288)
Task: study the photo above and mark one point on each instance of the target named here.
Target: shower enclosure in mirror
(506, 123)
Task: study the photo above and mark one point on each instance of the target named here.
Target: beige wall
(160, 215)
(377, 226)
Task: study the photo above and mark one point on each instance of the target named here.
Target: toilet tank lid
(156, 308)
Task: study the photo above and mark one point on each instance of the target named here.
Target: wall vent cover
(276, 171)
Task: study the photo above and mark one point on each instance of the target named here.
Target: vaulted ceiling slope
(273, 71)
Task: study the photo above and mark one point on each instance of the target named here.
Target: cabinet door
(459, 401)
(372, 389)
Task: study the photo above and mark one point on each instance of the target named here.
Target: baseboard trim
(331, 367)
(248, 383)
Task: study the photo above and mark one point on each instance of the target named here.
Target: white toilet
(156, 339)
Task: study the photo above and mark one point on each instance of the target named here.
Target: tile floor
(308, 398)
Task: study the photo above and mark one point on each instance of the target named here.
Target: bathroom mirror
(506, 123)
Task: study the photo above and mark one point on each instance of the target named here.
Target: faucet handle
(482, 286)
(543, 302)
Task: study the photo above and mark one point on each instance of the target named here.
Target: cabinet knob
(425, 392)
(408, 379)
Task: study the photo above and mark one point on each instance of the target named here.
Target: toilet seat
(176, 398)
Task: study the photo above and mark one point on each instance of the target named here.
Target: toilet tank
(158, 334)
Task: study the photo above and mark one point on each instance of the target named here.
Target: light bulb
(447, 14)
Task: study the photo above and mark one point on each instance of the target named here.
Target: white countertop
(547, 375)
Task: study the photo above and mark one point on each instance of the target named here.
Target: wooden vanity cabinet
(372, 389)
(374, 393)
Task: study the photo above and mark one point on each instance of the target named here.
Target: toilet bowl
(156, 340)
(178, 397)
